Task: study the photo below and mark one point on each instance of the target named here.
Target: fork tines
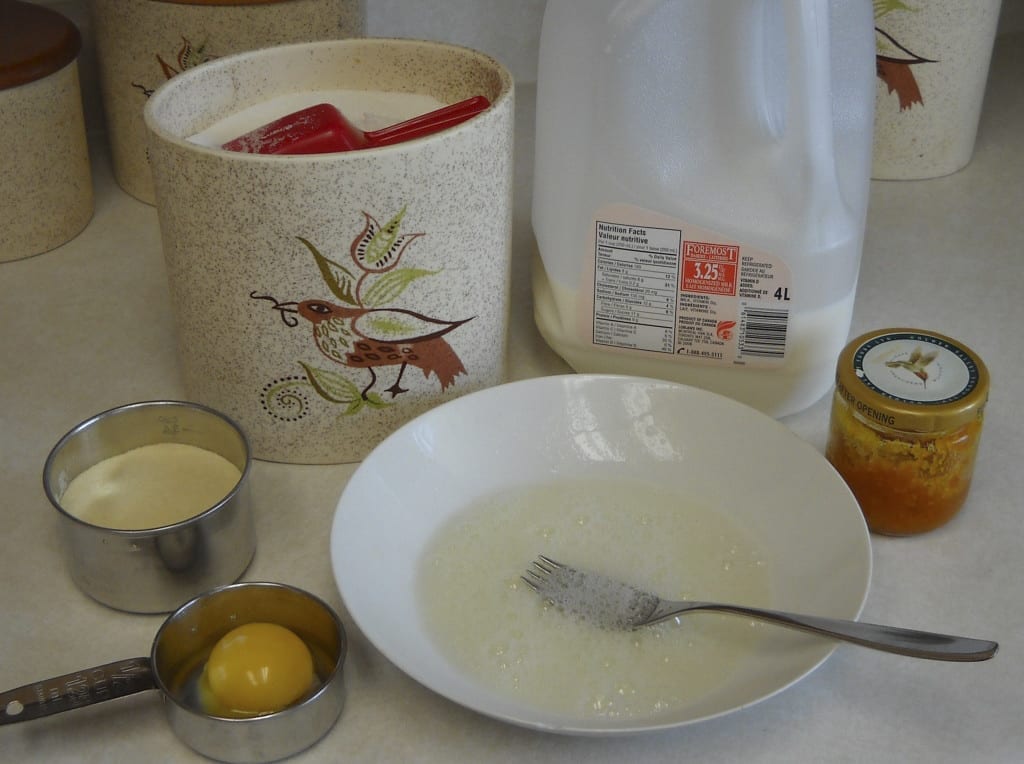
(540, 571)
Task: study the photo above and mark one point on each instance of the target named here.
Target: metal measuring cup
(154, 570)
(179, 651)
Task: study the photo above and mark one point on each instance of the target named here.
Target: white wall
(506, 29)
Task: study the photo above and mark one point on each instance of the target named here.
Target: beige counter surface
(88, 326)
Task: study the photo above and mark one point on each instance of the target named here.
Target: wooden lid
(223, 2)
(35, 42)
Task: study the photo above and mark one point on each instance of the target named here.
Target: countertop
(88, 326)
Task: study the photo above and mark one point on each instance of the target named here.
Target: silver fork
(612, 604)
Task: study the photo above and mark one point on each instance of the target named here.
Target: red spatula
(323, 129)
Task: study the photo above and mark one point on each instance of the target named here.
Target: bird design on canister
(361, 328)
(368, 338)
(894, 62)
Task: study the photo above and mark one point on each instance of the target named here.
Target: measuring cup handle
(82, 688)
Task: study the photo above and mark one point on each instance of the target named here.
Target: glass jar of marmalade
(906, 421)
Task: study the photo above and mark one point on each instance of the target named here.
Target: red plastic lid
(35, 42)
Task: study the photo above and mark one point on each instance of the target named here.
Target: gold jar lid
(912, 380)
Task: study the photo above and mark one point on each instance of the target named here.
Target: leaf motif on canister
(337, 388)
(339, 279)
(189, 56)
(882, 7)
(378, 248)
(390, 285)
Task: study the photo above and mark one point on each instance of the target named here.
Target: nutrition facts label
(636, 286)
(662, 285)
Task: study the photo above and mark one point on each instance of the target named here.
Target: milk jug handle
(809, 100)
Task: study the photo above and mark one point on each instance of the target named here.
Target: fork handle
(891, 639)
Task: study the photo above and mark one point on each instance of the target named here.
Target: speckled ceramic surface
(933, 59)
(324, 300)
(45, 184)
(140, 44)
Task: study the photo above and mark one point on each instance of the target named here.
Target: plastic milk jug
(701, 187)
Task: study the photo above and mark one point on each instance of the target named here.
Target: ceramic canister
(46, 194)
(140, 44)
(324, 300)
(932, 61)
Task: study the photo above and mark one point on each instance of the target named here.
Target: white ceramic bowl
(753, 470)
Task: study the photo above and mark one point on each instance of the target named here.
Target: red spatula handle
(431, 122)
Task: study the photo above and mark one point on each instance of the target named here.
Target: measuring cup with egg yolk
(256, 669)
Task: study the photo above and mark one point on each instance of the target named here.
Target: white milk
(700, 190)
(815, 338)
(492, 626)
(150, 486)
(366, 109)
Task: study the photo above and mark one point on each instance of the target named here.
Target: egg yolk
(255, 669)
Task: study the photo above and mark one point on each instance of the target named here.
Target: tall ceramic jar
(45, 181)
(932, 63)
(140, 44)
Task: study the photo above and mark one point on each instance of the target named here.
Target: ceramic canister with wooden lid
(45, 182)
(140, 44)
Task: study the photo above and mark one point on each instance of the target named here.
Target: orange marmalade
(906, 420)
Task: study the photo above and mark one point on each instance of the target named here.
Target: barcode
(763, 332)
